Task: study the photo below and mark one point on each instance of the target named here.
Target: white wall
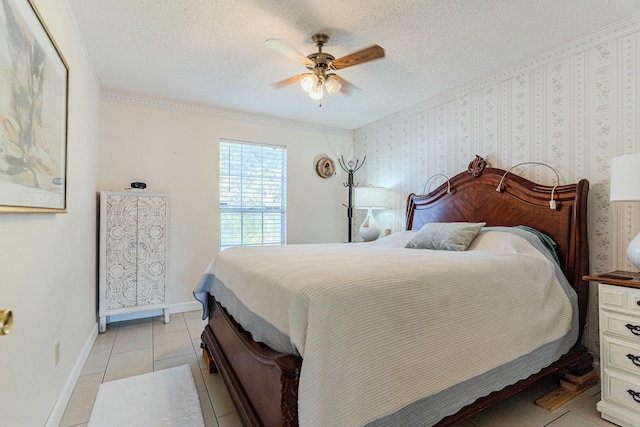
(173, 147)
(573, 107)
(48, 260)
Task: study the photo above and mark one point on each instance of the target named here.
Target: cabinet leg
(102, 326)
(167, 317)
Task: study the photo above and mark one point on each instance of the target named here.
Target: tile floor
(139, 346)
(145, 345)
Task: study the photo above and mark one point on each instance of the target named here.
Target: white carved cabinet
(133, 253)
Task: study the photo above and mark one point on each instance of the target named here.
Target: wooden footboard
(263, 383)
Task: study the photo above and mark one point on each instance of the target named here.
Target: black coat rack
(350, 168)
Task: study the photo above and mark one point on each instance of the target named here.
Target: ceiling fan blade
(347, 88)
(364, 55)
(288, 81)
(289, 51)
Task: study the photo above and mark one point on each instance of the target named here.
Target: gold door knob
(6, 321)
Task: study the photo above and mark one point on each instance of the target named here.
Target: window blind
(252, 194)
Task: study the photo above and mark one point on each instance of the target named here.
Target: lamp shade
(625, 187)
(371, 198)
(625, 178)
(309, 82)
(332, 84)
(316, 92)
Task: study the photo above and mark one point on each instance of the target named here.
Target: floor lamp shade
(370, 198)
(625, 187)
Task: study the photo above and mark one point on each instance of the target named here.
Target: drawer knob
(634, 394)
(635, 329)
(634, 359)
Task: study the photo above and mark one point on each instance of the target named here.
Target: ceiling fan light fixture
(319, 64)
(316, 93)
(309, 83)
(332, 84)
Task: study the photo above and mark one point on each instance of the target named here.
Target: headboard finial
(476, 166)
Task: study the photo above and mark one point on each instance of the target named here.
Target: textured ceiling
(211, 52)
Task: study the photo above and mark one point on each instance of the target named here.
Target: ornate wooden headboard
(474, 198)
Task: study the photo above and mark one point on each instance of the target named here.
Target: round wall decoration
(325, 167)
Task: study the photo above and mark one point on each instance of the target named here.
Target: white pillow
(396, 240)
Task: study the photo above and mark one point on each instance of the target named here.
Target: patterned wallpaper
(573, 107)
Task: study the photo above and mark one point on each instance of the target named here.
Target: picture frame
(325, 168)
(34, 115)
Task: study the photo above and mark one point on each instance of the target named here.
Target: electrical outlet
(57, 351)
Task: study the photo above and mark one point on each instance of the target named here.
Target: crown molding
(166, 104)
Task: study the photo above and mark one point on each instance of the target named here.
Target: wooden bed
(264, 383)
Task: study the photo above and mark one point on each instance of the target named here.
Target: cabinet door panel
(151, 250)
(121, 242)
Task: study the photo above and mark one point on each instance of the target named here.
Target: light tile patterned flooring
(139, 346)
(136, 347)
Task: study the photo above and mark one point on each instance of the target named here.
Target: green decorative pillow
(446, 236)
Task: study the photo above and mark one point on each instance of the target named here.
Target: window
(252, 194)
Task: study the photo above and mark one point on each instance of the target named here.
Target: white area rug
(157, 399)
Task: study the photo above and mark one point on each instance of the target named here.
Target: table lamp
(370, 198)
(625, 187)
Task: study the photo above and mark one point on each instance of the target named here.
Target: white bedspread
(380, 326)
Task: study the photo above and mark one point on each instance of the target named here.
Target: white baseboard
(63, 400)
(173, 308)
(61, 404)
(185, 306)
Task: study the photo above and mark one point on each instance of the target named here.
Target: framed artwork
(33, 113)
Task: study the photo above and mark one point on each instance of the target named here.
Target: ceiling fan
(321, 64)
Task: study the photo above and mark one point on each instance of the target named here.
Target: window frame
(247, 209)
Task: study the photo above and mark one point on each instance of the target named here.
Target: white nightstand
(619, 312)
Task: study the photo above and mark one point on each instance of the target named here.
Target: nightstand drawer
(622, 325)
(619, 298)
(619, 312)
(621, 389)
(621, 354)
